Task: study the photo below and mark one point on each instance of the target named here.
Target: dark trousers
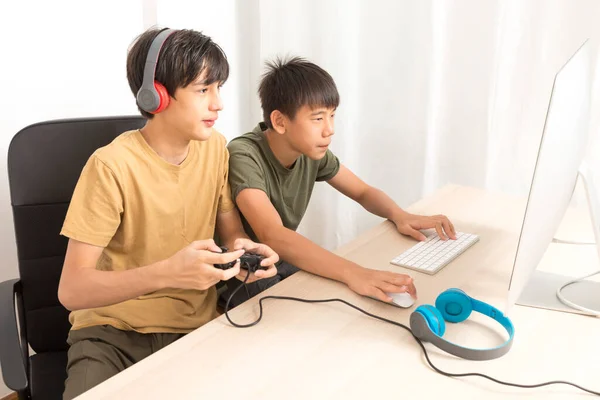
(284, 270)
(99, 352)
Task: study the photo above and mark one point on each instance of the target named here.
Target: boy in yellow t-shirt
(139, 269)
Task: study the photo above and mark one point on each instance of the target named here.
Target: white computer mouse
(403, 300)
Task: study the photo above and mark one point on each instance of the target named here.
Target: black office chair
(44, 164)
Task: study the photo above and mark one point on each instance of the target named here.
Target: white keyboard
(434, 254)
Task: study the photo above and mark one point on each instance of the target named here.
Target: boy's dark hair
(287, 85)
(182, 59)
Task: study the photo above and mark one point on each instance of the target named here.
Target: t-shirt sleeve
(225, 202)
(244, 172)
(94, 214)
(328, 167)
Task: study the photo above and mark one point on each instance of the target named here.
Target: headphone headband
(453, 305)
(492, 312)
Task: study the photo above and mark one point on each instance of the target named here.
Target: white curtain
(433, 92)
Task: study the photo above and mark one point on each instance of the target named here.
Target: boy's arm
(231, 232)
(83, 286)
(377, 202)
(306, 255)
(229, 227)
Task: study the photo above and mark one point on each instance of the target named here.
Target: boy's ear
(278, 121)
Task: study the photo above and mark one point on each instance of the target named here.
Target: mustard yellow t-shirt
(142, 209)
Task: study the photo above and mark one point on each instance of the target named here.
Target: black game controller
(248, 261)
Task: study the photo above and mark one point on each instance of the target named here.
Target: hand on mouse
(373, 283)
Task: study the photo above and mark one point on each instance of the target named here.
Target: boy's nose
(328, 129)
(216, 104)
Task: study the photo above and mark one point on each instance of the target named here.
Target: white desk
(306, 351)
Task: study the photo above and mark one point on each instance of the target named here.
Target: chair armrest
(11, 358)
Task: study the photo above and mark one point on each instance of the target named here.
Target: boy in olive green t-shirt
(273, 170)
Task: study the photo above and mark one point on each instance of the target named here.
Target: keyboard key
(434, 254)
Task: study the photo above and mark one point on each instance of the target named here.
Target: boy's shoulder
(249, 143)
(121, 151)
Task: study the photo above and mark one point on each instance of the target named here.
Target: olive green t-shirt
(253, 165)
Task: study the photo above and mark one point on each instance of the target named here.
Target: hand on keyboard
(410, 224)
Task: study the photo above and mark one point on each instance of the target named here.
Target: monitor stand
(540, 290)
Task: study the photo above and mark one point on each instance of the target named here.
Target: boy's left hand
(410, 224)
(263, 250)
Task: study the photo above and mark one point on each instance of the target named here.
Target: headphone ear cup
(163, 95)
(433, 317)
(454, 305)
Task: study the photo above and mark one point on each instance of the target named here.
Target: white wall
(60, 59)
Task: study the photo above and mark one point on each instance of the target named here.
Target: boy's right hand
(373, 283)
(193, 266)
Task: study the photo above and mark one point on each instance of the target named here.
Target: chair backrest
(44, 164)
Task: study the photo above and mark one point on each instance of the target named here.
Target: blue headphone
(428, 323)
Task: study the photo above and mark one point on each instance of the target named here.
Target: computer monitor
(562, 149)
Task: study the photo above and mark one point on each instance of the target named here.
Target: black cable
(449, 374)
